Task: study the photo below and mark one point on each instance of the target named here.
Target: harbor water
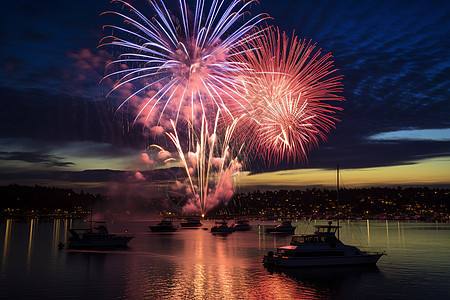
(195, 264)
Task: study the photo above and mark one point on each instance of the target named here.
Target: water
(194, 264)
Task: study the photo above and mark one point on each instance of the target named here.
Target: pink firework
(288, 84)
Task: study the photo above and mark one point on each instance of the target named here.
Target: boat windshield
(326, 229)
(302, 239)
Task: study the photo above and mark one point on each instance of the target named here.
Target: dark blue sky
(56, 123)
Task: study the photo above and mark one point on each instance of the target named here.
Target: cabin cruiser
(284, 227)
(87, 238)
(222, 228)
(163, 226)
(191, 223)
(322, 248)
(241, 225)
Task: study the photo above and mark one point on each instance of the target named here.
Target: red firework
(288, 86)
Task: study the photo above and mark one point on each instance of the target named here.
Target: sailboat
(322, 248)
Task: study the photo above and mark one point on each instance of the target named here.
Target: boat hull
(280, 231)
(299, 262)
(162, 229)
(81, 244)
(222, 230)
(191, 225)
(242, 228)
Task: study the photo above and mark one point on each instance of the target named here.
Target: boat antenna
(337, 192)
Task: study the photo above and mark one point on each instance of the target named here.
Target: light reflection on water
(193, 264)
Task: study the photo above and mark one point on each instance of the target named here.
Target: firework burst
(177, 61)
(210, 167)
(288, 85)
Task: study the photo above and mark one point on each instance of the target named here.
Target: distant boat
(191, 223)
(284, 227)
(222, 228)
(241, 225)
(163, 226)
(87, 238)
(322, 248)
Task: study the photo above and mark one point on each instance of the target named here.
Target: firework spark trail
(288, 85)
(210, 163)
(188, 61)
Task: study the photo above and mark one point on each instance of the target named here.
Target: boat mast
(337, 192)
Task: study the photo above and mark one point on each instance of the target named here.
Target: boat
(101, 238)
(163, 226)
(222, 228)
(322, 248)
(191, 223)
(284, 227)
(241, 225)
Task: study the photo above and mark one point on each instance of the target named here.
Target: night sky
(57, 129)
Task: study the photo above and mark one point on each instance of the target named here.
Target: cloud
(35, 157)
(442, 135)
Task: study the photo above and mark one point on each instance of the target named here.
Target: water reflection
(387, 231)
(194, 264)
(324, 282)
(9, 224)
(30, 241)
(278, 286)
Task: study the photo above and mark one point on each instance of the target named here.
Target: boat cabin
(312, 239)
(323, 234)
(326, 229)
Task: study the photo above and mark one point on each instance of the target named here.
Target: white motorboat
(163, 226)
(284, 227)
(88, 238)
(322, 248)
(241, 225)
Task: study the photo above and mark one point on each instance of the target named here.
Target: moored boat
(284, 227)
(101, 238)
(241, 225)
(191, 223)
(222, 228)
(322, 248)
(163, 226)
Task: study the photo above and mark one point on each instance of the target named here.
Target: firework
(177, 61)
(210, 168)
(288, 85)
